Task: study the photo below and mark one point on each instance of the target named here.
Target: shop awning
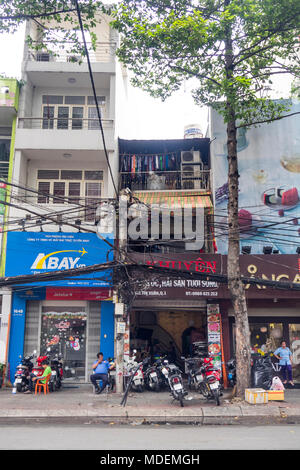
(174, 199)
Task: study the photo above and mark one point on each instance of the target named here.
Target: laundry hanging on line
(145, 163)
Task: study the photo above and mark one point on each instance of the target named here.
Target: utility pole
(120, 306)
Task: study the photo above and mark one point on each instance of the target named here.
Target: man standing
(284, 355)
(100, 368)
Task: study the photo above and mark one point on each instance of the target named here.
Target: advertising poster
(269, 183)
(214, 334)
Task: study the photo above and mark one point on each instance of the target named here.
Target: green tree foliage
(57, 22)
(165, 42)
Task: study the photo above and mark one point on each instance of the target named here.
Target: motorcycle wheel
(19, 388)
(180, 398)
(51, 387)
(217, 397)
(155, 387)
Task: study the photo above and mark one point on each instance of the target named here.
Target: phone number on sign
(200, 293)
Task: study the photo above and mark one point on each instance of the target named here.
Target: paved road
(139, 437)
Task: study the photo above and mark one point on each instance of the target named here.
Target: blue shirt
(101, 368)
(285, 354)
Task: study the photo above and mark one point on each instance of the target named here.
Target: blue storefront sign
(40, 252)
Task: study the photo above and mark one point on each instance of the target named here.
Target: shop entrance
(63, 330)
(266, 335)
(171, 332)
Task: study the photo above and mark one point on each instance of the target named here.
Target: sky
(149, 118)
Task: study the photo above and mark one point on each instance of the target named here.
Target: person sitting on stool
(100, 368)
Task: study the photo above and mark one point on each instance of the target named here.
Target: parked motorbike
(23, 371)
(151, 376)
(111, 374)
(195, 376)
(56, 365)
(210, 386)
(138, 382)
(173, 376)
(231, 372)
(37, 369)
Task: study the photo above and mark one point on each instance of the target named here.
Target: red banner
(81, 293)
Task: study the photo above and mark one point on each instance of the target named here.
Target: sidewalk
(78, 404)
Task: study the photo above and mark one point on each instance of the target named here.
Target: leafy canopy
(56, 21)
(232, 47)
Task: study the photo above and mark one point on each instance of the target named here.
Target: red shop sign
(81, 293)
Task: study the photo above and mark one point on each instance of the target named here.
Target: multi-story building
(9, 100)
(60, 176)
(168, 313)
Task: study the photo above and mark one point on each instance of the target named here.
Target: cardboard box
(256, 396)
(276, 395)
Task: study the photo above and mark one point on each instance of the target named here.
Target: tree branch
(32, 17)
(194, 74)
(267, 120)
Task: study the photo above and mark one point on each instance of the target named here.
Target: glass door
(294, 334)
(63, 330)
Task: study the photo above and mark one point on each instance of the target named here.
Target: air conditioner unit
(191, 169)
(191, 156)
(188, 171)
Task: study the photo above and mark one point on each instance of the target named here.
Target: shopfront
(270, 323)
(274, 314)
(170, 306)
(170, 313)
(74, 316)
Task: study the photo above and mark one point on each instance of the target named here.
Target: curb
(237, 415)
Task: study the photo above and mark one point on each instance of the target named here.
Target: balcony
(63, 133)
(46, 69)
(74, 124)
(193, 179)
(105, 52)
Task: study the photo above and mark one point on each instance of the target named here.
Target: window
(93, 195)
(75, 100)
(93, 119)
(71, 187)
(71, 112)
(63, 117)
(44, 190)
(4, 157)
(93, 175)
(53, 99)
(48, 115)
(71, 174)
(48, 174)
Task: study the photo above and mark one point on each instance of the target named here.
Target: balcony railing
(68, 208)
(166, 180)
(104, 52)
(63, 123)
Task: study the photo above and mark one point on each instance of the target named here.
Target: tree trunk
(235, 285)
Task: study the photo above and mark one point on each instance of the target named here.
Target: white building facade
(60, 176)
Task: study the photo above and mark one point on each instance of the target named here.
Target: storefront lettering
(252, 269)
(199, 264)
